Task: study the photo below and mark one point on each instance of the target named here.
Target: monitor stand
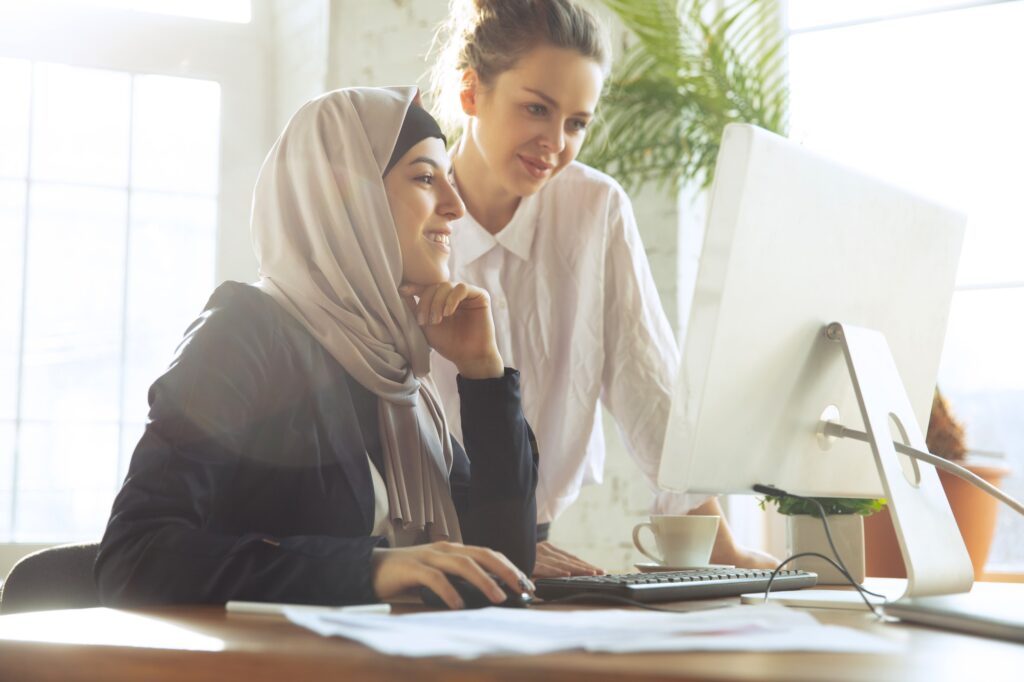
(933, 550)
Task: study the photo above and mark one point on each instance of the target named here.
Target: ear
(469, 86)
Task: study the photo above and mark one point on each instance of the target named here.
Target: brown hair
(490, 36)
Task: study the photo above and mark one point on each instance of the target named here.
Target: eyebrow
(552, 102)
(427, 160)
(430, 162)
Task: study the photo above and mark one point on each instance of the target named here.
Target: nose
(553, 139)
(449, 204)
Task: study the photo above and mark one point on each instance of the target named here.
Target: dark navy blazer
(252, 481)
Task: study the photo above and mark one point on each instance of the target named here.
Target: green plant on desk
(834, 506)
(806, 533)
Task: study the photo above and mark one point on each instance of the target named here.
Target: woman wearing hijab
(296, 450)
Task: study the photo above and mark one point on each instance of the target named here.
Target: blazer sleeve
(498, 504)
(158, 546)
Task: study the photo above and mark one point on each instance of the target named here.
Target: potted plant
(974, 510)
(806, 533)
(688, 68)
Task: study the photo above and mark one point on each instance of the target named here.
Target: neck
(487, 201)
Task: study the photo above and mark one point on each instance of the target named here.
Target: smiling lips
(441, 240)
(535, 167)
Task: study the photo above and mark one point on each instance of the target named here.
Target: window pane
(808, 13)
(6, 480)
(942, 122)
(984, 342)
(74, 304)
(12, 229)
(983, 376)
(176, 134)
(66, 480)
(173, 245)
(16, 84)
(80, 127)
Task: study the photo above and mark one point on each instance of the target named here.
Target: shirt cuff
(496, 386)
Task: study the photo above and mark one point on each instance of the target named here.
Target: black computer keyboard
(673, 585)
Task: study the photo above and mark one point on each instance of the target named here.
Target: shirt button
(501, 303)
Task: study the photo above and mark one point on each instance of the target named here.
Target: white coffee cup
(682, 541)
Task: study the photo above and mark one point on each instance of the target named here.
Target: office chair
(54, 578)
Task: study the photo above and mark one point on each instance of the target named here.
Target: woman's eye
(426, 179)
(577, 125)
(537, 109)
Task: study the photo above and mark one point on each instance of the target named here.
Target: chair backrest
(54, 578)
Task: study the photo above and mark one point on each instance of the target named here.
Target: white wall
(299, 55)
(384, 42)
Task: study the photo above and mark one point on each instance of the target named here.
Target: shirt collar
(474, 241)
(517, 236)
(470, 239)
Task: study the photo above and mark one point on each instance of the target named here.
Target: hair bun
(490, 36)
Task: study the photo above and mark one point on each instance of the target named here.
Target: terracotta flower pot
(973, 509)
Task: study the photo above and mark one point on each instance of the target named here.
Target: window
(928, 96)
(119, 190)
(112, 224)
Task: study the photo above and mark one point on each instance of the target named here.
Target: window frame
(235, 55)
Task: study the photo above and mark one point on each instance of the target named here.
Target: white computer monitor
(795, 242)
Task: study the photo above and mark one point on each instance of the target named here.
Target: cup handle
(636, 541)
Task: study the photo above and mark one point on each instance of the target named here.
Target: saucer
(650, 567)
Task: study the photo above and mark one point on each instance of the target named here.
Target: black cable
(840, 566)
(860, 590)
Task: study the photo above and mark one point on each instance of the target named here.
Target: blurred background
(131, 133)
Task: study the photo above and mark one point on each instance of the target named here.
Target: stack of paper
(497, 631)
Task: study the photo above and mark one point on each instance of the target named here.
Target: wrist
(490, 367)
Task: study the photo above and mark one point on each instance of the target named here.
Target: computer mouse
(473, 598)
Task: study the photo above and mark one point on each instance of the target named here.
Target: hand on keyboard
(553, 562)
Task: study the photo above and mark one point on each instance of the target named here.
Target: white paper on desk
(493, 631)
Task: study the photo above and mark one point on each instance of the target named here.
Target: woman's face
(423, 204)
(530, 122)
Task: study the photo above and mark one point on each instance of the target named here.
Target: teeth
(440, 238)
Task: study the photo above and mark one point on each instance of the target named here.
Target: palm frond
(688, 72)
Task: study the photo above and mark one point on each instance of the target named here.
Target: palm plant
(688, 72)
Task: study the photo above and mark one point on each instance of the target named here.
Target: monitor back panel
(794, 242)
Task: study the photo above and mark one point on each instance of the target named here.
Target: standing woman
(556, 245)
(296, 450)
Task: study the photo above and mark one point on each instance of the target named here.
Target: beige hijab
(329, 254)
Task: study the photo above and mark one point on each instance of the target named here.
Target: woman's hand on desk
(726, 549)
(553, 562)
(395, 571)
(456, 319)
(747, 557)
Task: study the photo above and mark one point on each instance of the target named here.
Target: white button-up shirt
(577, 313)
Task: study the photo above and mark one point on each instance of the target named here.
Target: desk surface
(205, 643)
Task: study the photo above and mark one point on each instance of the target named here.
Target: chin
(524, 185)
(430, 279)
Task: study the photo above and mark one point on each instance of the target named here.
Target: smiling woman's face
(423, 203)
(531, 122)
